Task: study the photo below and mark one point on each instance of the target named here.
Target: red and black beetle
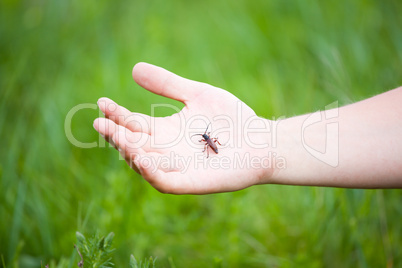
(209, 142)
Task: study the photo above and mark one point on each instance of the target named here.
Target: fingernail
(112, 107)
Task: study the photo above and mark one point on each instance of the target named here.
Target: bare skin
(254, 150)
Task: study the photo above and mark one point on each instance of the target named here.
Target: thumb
(165, 83)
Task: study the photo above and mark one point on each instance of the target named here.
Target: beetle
(209, 142)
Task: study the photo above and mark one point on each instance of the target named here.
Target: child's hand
(163, 151)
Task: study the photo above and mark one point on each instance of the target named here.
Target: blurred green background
(280, 57)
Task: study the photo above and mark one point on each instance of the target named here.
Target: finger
(168, 182)
(135, 154)
(127, 151)
(165, 83)
(151, 174)
(165, 163)
(160, 180)
(106, 128)
(135, 122)
(110, 131)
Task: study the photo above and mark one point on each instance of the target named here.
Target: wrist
(306, 144)
(285, 143)
(262, 149)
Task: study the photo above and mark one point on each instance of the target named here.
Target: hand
(163, 151)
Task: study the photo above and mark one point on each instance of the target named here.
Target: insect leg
(205, 147)
(216, 140)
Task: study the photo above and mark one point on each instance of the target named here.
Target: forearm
(359, 145)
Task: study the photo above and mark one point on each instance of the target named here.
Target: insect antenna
(207, 128)
(201, 134)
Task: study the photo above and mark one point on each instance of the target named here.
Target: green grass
(280, 57)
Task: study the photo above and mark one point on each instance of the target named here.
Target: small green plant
(147, 263)
(95, 252)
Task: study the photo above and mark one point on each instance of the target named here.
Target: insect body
(209, 142)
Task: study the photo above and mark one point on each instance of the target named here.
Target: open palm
(165, 152)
